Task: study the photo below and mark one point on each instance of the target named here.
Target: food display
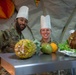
(25, 48)
(49, 48)
(69, 46)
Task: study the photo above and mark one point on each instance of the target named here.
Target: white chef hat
(71, 31)
(45, 21)
(23, 12)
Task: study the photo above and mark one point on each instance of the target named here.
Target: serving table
(36, 64)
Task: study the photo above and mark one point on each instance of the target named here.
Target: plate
(68, 53)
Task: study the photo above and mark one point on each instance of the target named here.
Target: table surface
(36, 64)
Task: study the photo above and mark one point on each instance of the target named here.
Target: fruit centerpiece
(25, 48)
(69, 46)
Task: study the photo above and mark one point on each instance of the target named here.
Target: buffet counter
(36, 64)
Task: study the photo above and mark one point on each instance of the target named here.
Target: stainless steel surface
(35, 64)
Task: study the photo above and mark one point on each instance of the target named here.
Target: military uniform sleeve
(3, 40)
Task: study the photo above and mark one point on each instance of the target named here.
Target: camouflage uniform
(44, 42)
(8, 38)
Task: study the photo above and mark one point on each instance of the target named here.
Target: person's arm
(3, 40)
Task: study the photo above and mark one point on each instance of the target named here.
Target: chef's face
(21, 23)
(45, 33)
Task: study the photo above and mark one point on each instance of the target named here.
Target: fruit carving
(25, 48)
